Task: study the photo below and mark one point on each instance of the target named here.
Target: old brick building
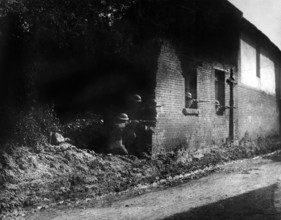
(192, 46)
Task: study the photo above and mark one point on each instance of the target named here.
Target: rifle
(143, 125)
(143, 121)
(215, 101)
(154, 106)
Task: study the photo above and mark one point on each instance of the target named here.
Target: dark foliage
(33, 126)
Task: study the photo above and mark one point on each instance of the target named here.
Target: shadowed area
(257, 204)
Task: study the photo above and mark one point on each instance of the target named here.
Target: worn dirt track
(247, 190)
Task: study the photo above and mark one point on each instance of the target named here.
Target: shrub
(34, 125)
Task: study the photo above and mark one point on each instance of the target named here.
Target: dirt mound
(64, 172)
(54, 174)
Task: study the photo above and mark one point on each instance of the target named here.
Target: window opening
(191, 89)
(220, 89)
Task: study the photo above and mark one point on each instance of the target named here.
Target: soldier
(132, 128)
(135, 133)
(134, 108)
(115, 133)
(189, 100)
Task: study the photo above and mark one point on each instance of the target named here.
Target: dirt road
(247, 190)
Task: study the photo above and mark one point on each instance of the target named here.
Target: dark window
(220, 89)
(258, 62)
(191, 88)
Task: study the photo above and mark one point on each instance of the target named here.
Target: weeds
(33, 126)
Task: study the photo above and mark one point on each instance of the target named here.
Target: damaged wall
(202, 125)
(186, 31)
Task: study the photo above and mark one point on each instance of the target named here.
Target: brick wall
(173, 128)
(257, 112)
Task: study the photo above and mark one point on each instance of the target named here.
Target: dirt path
(247, 190)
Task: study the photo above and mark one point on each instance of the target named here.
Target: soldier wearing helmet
(136, 132)
(134, 107)
(189, 100)
(115, 142)
(136, 98)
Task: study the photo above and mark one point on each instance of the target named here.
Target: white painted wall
(248, 65)
(267, 72)
(266, 82)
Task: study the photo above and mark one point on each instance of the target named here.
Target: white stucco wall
(267, 72)
(248, 65)
(266, 82)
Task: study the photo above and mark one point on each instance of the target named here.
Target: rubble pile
(64, 172)
(59, 173)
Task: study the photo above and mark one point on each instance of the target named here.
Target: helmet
(136, 98)
(188, 95)
(123, 117)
